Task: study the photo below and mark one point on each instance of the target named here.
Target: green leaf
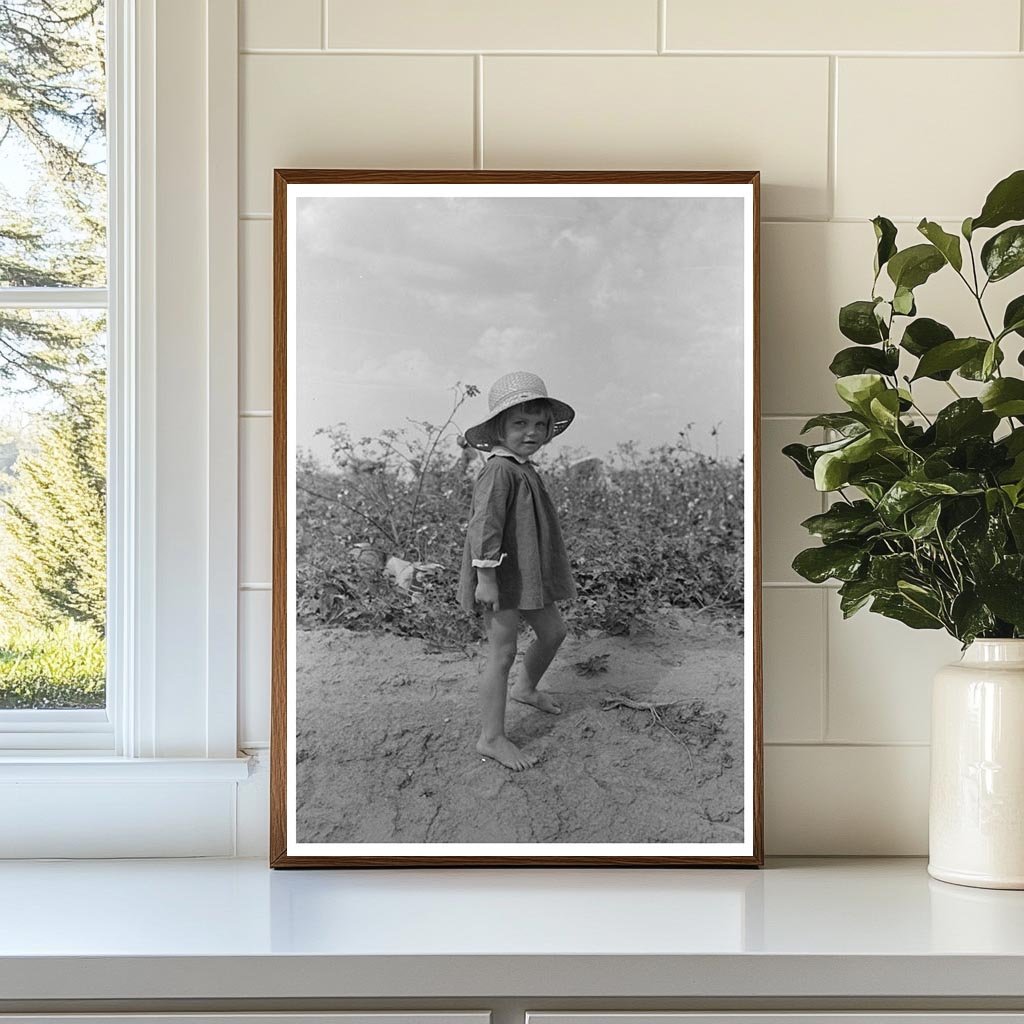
(865, 446)
(1015, 492)
(1013, 317)
(1003, 254)
(966, 417)
(949, 355)
(885, 236)
(990, 361)
(799, 455)
(1004, 397)
(965, 229)
(903, 302)
(947, 244)
(841, 421)
(899, 608)
(885, 409)
(840, 561)
(843, 521)
(974, 368)
(831, 471)
(854, 595)
(923, 335)
(858, 389)
(912, 267)
(925, 518)
(1005, 202)
(1005, 597)
(857, 321)
(906, 494)
(849, 361)
(970, 617)
(887, 570)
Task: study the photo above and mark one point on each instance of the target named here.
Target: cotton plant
(926, 521)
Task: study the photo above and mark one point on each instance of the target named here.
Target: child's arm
(492, 495)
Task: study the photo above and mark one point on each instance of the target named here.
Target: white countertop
(233, 929)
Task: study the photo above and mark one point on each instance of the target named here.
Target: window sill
(76, 766)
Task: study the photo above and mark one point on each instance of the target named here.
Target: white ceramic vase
(976, 810)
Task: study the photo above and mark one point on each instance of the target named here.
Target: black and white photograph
(515, 560)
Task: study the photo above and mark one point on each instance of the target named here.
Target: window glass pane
(52, 508)
(53, 151)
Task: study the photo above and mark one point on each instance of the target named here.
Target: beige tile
(880, 675)
(794, 663)
(825, 800)
(787, 498)
(357, 111)
(270, 24)
(254, 610)
(871, 25)
(649, 112)
(962, 128)
(255, 320)
(255, 510)
(471, 25)
(809, 271)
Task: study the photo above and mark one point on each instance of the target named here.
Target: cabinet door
(362, 1017)
(785, 1017)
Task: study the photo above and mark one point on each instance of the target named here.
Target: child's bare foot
(539, 700)
(504, 750)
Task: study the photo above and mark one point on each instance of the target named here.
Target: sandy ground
(386, 734)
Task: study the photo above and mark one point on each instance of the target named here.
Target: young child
(514, 564)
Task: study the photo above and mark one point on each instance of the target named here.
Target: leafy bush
(60, 667)
(935, 538)
(646, 529)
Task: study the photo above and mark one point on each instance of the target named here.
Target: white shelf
(233, 929)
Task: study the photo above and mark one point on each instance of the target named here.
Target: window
(53, 371)
(155, 771)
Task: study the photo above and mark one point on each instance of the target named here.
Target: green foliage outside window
(52, 365)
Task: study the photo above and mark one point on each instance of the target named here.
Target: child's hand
(487, 593)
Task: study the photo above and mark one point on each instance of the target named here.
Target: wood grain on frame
(279, 856)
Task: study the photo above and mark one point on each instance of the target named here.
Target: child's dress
(513, 526)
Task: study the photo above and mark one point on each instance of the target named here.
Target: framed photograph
(516, 553)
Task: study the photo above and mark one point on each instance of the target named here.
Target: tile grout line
(1020, 25)
(825, 709)
(831, 170)
(323, 25)
(825, 650)
(662, 42)
(257, 51)
(478, 111)
(854, 744)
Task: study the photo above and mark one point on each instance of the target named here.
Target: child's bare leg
(550, 629)
(501, 653)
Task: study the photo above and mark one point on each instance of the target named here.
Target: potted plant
(927, 525)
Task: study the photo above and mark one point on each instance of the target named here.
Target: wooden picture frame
(635, 295)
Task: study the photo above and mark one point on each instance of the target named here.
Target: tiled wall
(909, 110)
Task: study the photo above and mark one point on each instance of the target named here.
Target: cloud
(505, 346)
(405, 368)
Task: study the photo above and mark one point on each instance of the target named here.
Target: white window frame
(173, 468)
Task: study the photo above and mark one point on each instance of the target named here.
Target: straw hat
(512, 389)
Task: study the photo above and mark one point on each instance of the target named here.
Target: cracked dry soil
(386, 733)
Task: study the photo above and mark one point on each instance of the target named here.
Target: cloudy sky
(630, 309)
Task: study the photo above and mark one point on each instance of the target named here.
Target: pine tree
(53, 118)
(53, 124)
(53, 519)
